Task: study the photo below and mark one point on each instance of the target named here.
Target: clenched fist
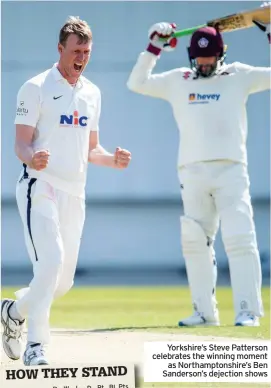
(122, 158)
(40, 160)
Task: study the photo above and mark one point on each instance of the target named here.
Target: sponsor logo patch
(74, 120)
(21, 110)
(198, 98)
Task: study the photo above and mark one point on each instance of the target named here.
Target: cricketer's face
(206, 65)
(74, 57)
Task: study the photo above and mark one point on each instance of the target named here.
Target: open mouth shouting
(78, 67)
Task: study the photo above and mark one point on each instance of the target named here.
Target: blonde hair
(74, 25)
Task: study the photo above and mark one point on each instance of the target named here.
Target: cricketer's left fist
(122, 158)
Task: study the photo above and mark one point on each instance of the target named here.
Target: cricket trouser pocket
(39, 215)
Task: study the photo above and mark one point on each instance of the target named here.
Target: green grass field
(150, 309)
(146, 308)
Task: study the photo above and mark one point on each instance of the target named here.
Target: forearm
(141, 79)
(141, 72)
(260, 79)
(24, 152)
(101, 157)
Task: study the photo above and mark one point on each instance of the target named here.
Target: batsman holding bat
(209, 106)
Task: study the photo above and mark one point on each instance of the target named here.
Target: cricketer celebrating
(57, 134)
(208, 102)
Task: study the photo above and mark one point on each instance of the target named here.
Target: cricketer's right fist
(162, 30)
(40, 160)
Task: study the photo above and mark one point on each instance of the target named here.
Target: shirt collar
(59, 77)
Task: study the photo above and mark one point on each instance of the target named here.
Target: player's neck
(71, 80)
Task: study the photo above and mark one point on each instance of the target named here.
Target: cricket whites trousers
(213, 192)
(53, 222)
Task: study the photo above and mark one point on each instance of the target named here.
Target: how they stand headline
(56, 373)
(72, 376)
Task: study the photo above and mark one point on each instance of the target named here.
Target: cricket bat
(236, 21)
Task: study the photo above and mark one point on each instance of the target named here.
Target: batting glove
(160, 38)
(264, 27)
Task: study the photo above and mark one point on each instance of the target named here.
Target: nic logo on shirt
(73, 120)
(197, 98)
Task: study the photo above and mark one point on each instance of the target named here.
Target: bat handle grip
(187, 31)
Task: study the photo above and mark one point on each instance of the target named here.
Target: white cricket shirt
(210, 113)
(63, 116)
